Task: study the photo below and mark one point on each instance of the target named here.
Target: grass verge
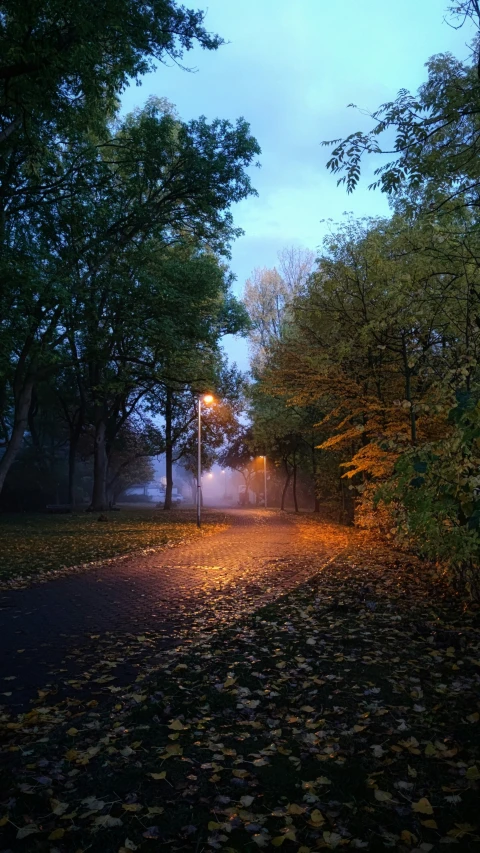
(34, 544)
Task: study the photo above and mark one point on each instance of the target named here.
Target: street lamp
(208, 400)
(264, 480)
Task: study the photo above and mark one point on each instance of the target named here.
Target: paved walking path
(97, 627)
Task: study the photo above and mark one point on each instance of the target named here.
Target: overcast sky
(290, 68)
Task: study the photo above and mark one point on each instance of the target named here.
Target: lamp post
(264, 481)
(207, 399)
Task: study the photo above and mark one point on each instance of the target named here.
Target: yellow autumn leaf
(72, 731)
(408, 837)
(71, 755)
(333, 839)
(106, 821)
(317, 817)
(292, 808)
(172, 749)
(423, 806)
(466, 828)
(158, 775)
(382, 796)
(213, 825)
(277, 841)
(473, 718)
(177, 726)
(59, 808)
(4, 820)
(56, 834)
(430, 824)
(473, 773)
(27, 830)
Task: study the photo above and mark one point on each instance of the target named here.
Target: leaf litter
(40, 548)
(343, 715)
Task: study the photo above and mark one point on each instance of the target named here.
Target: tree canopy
(114, 231)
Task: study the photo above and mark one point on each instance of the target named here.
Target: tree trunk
(408, 393)
(348, 504)
(74, 437)
(168, 450)
(72, 459)
(100, 464)
(295, 502)
(32, 412)
(287, 482)
(22, 407)
(314, 475)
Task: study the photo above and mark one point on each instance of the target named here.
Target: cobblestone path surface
(97, 627)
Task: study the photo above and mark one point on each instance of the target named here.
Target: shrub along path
(343, 714)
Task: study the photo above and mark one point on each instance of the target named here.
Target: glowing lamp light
(207, 400)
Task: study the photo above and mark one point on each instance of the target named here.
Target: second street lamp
(264, 480)
(208, 400)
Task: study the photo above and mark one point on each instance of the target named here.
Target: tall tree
(268, 295)
(436, 142)
(101, 247)
(64, 63)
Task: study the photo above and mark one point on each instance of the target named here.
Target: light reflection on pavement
(100, 628)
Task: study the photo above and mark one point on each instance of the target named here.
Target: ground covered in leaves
(34, 544)
(345, 714)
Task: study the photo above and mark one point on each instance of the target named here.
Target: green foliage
(434, 495)
(65, 63)
(120, 267)
(380, 345)
(436, 139)
(431, 176)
